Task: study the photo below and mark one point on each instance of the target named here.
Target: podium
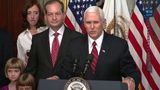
(94, 85)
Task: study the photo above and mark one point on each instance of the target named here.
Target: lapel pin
(103, 51)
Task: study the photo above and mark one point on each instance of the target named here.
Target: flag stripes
(138, 42)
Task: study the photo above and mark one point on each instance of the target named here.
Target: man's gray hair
(95, 9)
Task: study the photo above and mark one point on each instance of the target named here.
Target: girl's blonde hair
(14, 63)
(26, 79)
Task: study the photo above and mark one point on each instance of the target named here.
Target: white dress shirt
(24, 42)
(60, 36)
(98, 42)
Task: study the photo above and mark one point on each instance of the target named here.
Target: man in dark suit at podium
(111, 57)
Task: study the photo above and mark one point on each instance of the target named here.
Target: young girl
(25, 82)
(13, 68)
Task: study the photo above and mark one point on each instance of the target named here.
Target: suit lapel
(84, 53)
(46, 46)
(104, 52)
(105, 46)
(64, 43)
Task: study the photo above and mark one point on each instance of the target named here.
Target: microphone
(75, 65)
(89, 59)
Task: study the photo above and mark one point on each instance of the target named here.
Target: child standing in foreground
(13, 69)
(25, 82)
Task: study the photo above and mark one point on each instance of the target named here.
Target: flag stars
(78, 6)
(144, 2)
(146, 8)
(79, 0)
(70, 1)
(143, 9)
(151, 2)
(147, 11)
(78, 13)
(150, 8)
(83, 6)
(87, 5)
(156, 2)
(140, 2)
(147, 2)
(81, 12)
(80, 18)
(74, 6)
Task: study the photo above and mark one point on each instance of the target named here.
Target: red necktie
(55, 48)
(95, 57)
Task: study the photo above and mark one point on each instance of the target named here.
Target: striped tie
(55, 48)
(95, 57)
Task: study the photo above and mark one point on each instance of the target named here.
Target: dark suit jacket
(6, 52)
(40, 62)
(114, 60)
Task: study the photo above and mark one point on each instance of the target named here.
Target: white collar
(98, 40)
(60, 31)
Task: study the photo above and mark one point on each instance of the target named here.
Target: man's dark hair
(54, 1)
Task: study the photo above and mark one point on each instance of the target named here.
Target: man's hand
(130, 82)
(55, 77)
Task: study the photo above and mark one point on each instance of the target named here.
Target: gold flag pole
(65, 4)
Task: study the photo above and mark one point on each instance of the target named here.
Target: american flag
(76, 8)
(144, 42)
